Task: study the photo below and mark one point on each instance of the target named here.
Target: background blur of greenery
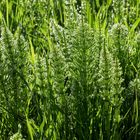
(69, 69)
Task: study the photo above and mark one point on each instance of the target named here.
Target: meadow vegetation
(69, 69)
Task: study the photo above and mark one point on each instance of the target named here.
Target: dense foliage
(69, 69)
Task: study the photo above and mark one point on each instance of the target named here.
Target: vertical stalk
(7, 13)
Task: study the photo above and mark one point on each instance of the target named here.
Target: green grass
(69, 70)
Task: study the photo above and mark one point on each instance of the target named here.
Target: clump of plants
(69, 70)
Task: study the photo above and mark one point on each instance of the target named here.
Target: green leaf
(98, 3)
(109, 2)
(135, 25)
(30, 128)
(32, 51)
